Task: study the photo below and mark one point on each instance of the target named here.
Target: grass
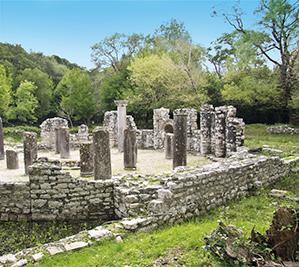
(143, 249)
(257, 136)
(15, 236)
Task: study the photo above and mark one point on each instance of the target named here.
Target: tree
(157, 81)
(253, 87)
(278, 21)
(78, 97)
(5, 91)
(44, 88)
(110, 51)
(25, 103)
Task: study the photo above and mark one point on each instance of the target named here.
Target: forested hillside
(254, 69)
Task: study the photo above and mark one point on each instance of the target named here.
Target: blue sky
(69, 28)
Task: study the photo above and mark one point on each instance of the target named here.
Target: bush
(16, 133)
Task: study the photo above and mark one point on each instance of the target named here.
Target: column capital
(122, 103)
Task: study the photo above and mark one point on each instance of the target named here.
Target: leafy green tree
(78, 96)
(26, 103)
(44, 88)
(277, 34)
(158, 81)
(5, 92)
(253, 87)
(110, 51)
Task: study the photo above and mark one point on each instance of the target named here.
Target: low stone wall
(52, 194)
(192, 192)
(55, 195)
(284, 129)
(14, 201)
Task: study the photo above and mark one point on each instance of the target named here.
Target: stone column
(206, 120)
(121, 122)
(240, 132)
(64, 143)
(169, 146)
(231, 135)
(12, 160)
(180, 138)
(102, 157)
(57, 140)
(1, 140)
(30, 149)
(220, 131)
(86, 159)
(130, 149)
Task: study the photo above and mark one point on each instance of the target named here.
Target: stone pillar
(240, 132)
(206, 117)
(12, 160)
(121, 122)
(102, 157)
(1, 140)
(30, 149)
(86, 159)
(64, 143)
(169, 146)
(180, 138)
(130, 149)
(57, 140)
(231, 135)
(220, 131)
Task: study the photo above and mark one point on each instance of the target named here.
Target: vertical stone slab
(30, 149)
(57, 140)
(180, 138)
(206, 119)
(86, 159)
(64, 143)
(12, 160)
(1, 140)
(160, 119)
(121, 122)
(220, 131)
(231, 135)
(130, 149)
(169, 146)
(102, 157)
(240, 132)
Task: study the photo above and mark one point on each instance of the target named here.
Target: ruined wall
(192, 192)
(55, 195)
(14, 201)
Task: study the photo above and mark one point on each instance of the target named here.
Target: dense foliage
(255, 69)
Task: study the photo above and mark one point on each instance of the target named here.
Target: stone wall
(283, 129)
(191, 192)
(54, 195)
(14, 201)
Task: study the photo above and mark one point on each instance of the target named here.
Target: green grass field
(183, 245)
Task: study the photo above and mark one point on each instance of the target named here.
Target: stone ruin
(219, 134)
(48, 130)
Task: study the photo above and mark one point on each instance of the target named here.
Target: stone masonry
(1, 140)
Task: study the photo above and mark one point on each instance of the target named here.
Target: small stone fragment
(75, 245)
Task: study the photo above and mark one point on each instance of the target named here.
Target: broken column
(64, 143)
(169, 146)
(231, 134)
(30, 149)
(180, 138)
(206, 120)
(231, 129)
(240, 132)
(102, 157)
(57, 140)
(220, 131)
(121, 122)
(86, 159)
(12, 160)
(1, 140)
(130, 149)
